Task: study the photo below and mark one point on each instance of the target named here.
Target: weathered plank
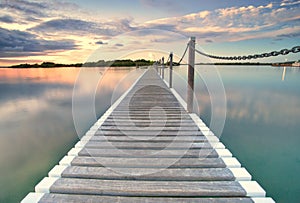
(151, 128)
(154, 174)
(175, 121)
(148, 188)
(148, 162)
(153, 117)
(50, 198)
(142, 138)
(150, 134)
(148, 123)
(147, 145)
(166, 153)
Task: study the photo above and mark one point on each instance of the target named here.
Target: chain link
(295, 49)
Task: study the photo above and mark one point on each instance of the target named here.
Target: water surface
(261, 127)
(36, 126)
(262, 121)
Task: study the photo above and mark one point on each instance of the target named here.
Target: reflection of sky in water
(261, 128)
(262, 123)
(255, 94)
(36, 121)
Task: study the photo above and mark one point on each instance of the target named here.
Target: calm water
(261, 128)
(36, 126)
(262, 122)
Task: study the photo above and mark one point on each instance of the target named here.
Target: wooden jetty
(148, 148)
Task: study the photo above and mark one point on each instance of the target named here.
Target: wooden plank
(117, 162)
(147, 145)
(153, 174)
(151, 128)
(145, 106)
(50, 198)
(147, 111)
(151, 101)
(143, 138)
(141, 117)
(126, 108)
(148, 188)
(185, 121)
(148, 134)
(148, 123)
(149, 153)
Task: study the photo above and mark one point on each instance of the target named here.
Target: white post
(159, 66)
(191, 65)
(163, 67)
(171, 70)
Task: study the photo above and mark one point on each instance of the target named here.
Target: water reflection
(36, 122)
(261, 128)
(262, 123)
(283, 73)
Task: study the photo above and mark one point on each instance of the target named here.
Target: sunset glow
(71, 31)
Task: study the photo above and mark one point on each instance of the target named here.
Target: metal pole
(163, 67)
(191, 65)
(171, 69)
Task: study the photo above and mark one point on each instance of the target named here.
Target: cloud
(19, 43)
(233, 23)
(6, 19)
(289, 35)
(80, 27)
(65, 25)
(119, 45)
(162, 27)
(289, 3)
(100, 42)
(47, 26)
(25, 7)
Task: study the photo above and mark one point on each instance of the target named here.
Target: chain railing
(295, 49)
(191, 63)
(187, 46)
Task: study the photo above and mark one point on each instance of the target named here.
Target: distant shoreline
(130, 63)
(100, 63)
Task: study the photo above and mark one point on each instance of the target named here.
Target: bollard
(171, 70)
(163, 67)
(191, 65)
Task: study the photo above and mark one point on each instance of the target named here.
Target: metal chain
(295, 49)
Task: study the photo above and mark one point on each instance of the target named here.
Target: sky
(77, 31)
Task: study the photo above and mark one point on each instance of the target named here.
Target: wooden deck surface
(147, 148)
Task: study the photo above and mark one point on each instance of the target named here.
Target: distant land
(137, 63)
(100, 63)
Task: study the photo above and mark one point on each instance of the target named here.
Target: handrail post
(191, 65)
(171, 70)
(163, 67)
(159, 66)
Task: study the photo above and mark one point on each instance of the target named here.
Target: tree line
(100, 63)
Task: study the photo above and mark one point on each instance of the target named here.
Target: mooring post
(159, 65)
(171, 70)
(163, 67)
(191, 65)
